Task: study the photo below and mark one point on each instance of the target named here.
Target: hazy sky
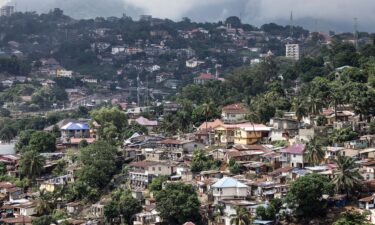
(320, 14)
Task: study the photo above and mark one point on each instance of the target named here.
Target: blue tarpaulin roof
(75, 126)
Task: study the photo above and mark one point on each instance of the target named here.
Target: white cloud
(3, 2)
(173, 9)
(257, 12)
(343, 10)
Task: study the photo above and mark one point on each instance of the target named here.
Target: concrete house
(141, 173)
(367, 203)
(283, 129)
(75, 130)
(292, 155)
(204, 78)
(229, 188)
(233, 113)
(149, 124)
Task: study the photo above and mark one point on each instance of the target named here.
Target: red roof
(210, 125)
(294, 149)
(367, 199)
(236, 106)
(205, 76)
(6, 185)
(142, 164)
(170, 142)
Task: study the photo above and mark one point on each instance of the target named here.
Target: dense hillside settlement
(154, 121)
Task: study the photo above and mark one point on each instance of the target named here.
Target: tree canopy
(178, 203)
(305, 195)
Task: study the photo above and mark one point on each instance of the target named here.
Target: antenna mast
(138, 91)
(356, 33)
(291, 23)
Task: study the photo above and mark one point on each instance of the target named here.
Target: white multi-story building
(64, 73)
(292, 51)
(6, 10)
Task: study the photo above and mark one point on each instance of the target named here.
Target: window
(294, 155)
(153, 168)
(159, 168)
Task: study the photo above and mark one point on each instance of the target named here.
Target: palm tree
(31, 164)
(44, 204)
(242, 217)
(299, 106)
(217, 214)
(347, 176)
(314, 104)
(335, 95)
(314, 153)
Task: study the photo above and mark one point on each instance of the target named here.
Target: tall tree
(314, 153)
(7, 133)
(31, 164)
(41, 141)
(299, 106)
(305, 196)
(347, 176)
(352, 218)
(99, 164)
(178, 203)
(44, 204)
(242, 217)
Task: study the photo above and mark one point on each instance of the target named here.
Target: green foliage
(347, 177)
(3, 168)
(280, 143)
(305, 196)
(47, 96)
(178, 203)
(31, 164)
(113, 123)
(81, 191)
(7, 133)
(270, 212)
(352, 218)
(99, 164)
(41, 141)
(14, 66)
(372, 127)
(124, 205)
(134, 128)
(59, 168)
(56, 133)
(321, 121)
(82, 144)
(234, 167)
(314, 154)
(4, 112)
(43, 220)
(24, 139)
(201, 162)
(156, 184)
(242, 217)
(343, 135)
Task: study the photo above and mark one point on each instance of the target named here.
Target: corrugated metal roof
(227, 182)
